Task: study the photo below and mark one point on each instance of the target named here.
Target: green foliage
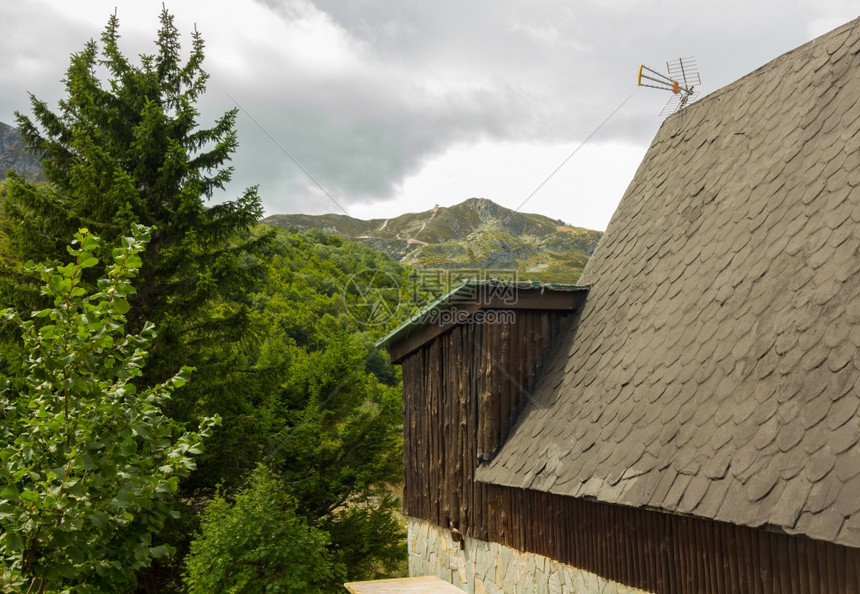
(269, 320)
(322, 407)
(88, 460)
(124, 146)
(129, 150)
(258, 543)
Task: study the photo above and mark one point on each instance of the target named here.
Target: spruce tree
(129, 150)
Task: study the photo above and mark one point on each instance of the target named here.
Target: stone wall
(491, 568)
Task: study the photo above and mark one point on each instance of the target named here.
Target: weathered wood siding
(461, 397)
(667, 553)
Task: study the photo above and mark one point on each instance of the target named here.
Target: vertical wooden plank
(743, 535)
(738, 555)
(517, 364)
(463, 437)
(777, 565)
(634, 540)
(840, 554)
(822, 566)
(516, 526)
(692, 555)
(497, 379)
(456, 454)
(702, 582)
(852, 571)
(781, 571)
(530, 351)
(618, 517)
(555, 526)
(409, 470)
(684, 556)
(671, 560)
(424, 420)
(765, 561)
(651, 555)
(472, 355)
(436, 457)
(700, 553)
(719, 563)
(503, 331)
(831, 553)
(797, 559)
(445, 396)
(545, 333)
(483, 396)
(570, 530)
(714, 558)
(592, 541)
(585, 537)
(600, 553)
(662, 553)
(754, 571)
(469, 434)
(408, 442)
(805, 558)
(645, 553)
(731, 558)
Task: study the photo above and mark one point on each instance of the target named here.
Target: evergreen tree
(130, 151)
(258, 543)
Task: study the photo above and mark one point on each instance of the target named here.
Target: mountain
(475, 234)
(13, 155)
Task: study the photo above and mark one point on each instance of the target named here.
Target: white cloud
(584, 191)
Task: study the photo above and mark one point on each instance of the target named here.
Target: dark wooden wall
(458, 408)
(667, 553)
(459, 405)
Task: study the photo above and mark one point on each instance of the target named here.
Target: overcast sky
(394, 107)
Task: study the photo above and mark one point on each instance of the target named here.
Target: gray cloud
(363, 92)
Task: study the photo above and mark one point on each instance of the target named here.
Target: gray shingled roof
(715, 368)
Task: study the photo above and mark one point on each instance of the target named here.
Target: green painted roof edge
(441, 301)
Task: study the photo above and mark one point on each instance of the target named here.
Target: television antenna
(682, 75)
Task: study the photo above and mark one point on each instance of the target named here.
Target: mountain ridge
(476, 233)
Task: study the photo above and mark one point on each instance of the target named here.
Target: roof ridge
(772, 63)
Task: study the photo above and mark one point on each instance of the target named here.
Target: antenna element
(682, 75)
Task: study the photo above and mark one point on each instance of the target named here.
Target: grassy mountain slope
(13, 155)
(475, 234)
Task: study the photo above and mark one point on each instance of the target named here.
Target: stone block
(556, 581)
(484, 566)
(480, 588)
(462, 574)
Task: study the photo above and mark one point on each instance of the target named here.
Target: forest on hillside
(190, 400)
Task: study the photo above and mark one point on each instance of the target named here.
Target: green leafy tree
(129, 149)
(88, 460)
(258, 543)
(332, 412)
(126, 145)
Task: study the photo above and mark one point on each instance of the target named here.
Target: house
(690, 422)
